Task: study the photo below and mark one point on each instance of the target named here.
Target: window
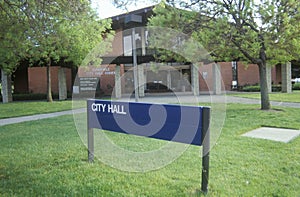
(234, 71)
(127, 45)
(234, 84)
(140, 42)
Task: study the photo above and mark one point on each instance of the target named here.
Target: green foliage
(63, 29)
(275, 88)
(170, 39)
(13, 41)
(256, 88)
(257, 33)
(281, 24)
(251, 88)
(296, 86)
(52, 30)
(244, 30)
(44, 31)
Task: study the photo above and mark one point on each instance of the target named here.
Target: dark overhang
(141, 59)
(127, 59)
(119, 21)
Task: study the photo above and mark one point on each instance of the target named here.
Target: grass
(16, 109)
(280, 97)
(47, 158)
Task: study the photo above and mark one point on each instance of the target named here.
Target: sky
(105, 8)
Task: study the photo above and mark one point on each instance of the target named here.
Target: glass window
(127, 45)
(140, 41)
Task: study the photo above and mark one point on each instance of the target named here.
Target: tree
(266, 32)
(61, 29)
(13, 43)
(53, 30)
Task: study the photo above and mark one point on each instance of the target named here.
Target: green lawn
(16, 109)
(47, 158)
(281, 97)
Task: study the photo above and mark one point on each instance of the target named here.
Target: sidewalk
(15, 120)
(156, 99)
(210, 99)
(232, 99)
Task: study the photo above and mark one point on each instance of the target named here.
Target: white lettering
(103, 107)
(122, 110)
(94, 107)
(98, 107)
(116, 109)
(110, 109)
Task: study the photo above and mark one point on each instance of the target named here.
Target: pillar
(269, 78)
(143, 40)
(169, 80)
(141, 80)
(6, 87)
(195, 79)
(286, 76)
(217, 88)
(62, 84)
(118, 85)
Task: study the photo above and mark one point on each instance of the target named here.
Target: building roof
(119, 21)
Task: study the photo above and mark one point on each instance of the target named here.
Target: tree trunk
(49, 93)
(6, 87)
(264, 95)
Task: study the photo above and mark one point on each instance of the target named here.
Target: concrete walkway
(231, 99)
(161, 98)
(274, 134)
(156, 99)
(15, 120)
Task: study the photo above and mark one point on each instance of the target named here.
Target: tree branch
(245, 53)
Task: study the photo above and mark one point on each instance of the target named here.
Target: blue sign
(167, 122)
(186, 124)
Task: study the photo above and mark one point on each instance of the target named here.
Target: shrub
(276, 88)
(296, 86)
(256, 88)
(251, 88)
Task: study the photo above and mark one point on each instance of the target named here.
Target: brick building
(233, 74)
(115, 76)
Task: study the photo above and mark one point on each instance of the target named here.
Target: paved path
(8, 121)
(232, 99)
(156, 99)
(211, 99)
(275, 134)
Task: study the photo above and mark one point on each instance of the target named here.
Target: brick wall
(205, 78)
(247, 74)
(37, 79)
(21, 80)
(117, 44)
(250, 74)
(226, 73)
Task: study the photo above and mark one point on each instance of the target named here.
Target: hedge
(275, 88)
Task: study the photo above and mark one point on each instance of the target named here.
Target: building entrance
(161, 79)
